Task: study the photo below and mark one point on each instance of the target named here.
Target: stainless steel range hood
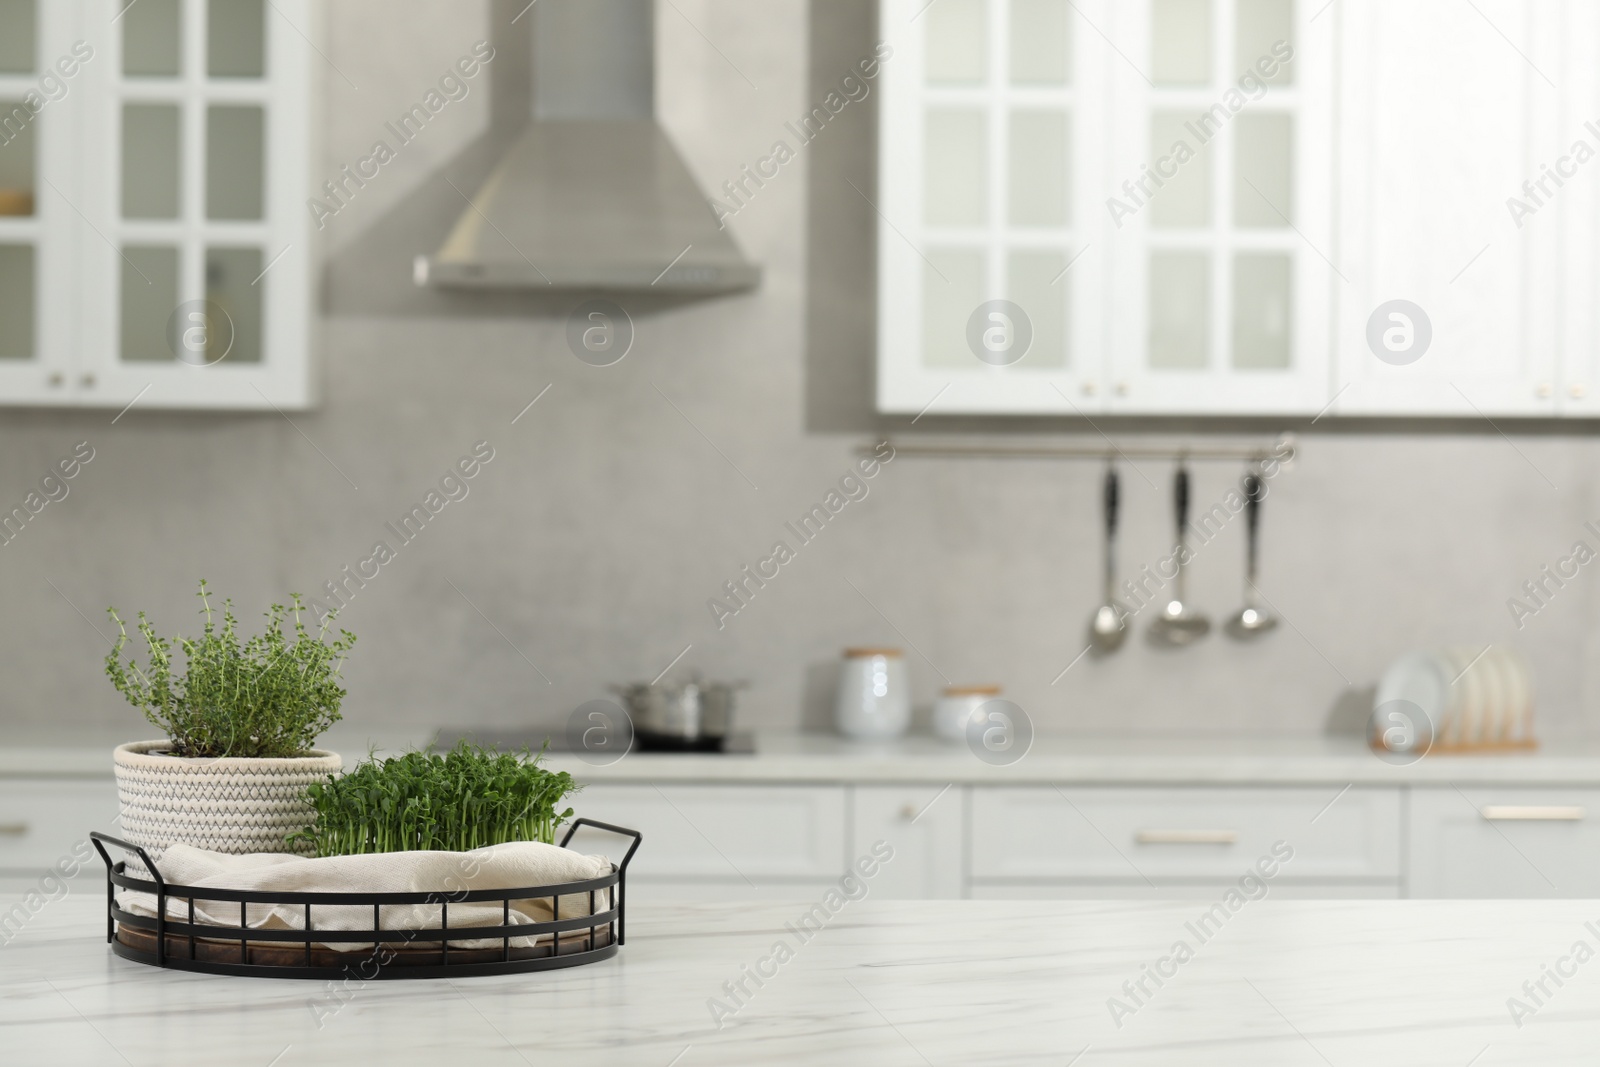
(590, 192)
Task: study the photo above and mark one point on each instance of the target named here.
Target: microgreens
(467, 798)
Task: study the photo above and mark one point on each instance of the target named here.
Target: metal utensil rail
(261, 952)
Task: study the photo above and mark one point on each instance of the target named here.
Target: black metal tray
(426, 952)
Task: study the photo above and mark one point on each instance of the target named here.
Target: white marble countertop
(886, 983)
(1164, 759)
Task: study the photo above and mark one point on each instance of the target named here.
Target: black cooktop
(511, 739)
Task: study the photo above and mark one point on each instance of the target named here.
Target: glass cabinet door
(982, 118)
(192, 185)
(19, 164)
(1219, 204)
(998, 90)
(36, 226)
(204, 243)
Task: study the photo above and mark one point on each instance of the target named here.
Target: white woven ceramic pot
(228, 804)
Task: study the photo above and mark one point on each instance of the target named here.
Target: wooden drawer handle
(1533, 813)
(1186, 837)
(13, 829)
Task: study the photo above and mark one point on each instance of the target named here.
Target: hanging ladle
(1108, 626)
(1252, 620)
(1179, 624)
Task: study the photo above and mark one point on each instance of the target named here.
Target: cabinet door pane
(16, 158)
(1263, 191)
(1184, 200)
(232, 290)
(18, 32)
(235, 183)
(1040, 164)
(150, 161)
(1180, 310)
(957, 168)
(957, 41)
(952, 288)
(1041, 51)
(1264, 27)
(235, 39)
(16, 301)
(1180, 42)
(149, 297)
(152, 37)
(1262, 310)
(1034, 283)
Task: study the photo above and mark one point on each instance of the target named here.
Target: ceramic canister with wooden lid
(956, 706)
(874, 700)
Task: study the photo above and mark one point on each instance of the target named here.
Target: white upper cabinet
(1269, 207)
(1433, 142)
(168, 258)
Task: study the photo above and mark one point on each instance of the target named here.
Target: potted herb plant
(231, 772)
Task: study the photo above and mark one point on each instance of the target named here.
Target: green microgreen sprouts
(467, 798)
(271, 696)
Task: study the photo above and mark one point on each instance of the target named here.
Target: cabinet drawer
(744, 832)
(42, 819)
(1155, 834)
(1500, 842)
(923, 824)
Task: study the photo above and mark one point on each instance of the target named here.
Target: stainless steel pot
(695, 711)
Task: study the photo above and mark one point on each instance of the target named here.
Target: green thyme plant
(467, 798)
(270, 696)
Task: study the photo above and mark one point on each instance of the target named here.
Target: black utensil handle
(1111, 500)
(1180, 493)
(1254, 490)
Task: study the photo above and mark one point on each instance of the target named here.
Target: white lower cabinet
(43, 820)
(45, 852)
(1505, 842)
(1174, 837)
(773, 841)
(793, 841)
(926, 827)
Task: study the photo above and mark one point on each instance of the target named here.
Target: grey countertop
(1164, 759)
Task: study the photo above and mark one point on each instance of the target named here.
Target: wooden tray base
(1483, 748)
(278, 954)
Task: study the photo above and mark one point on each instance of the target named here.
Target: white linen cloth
(515, 865)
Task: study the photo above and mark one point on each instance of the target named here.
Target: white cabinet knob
(87, 381)
(1575, 391)
(1122, 388)
(908, 812)
(56, 380)
(1544, 390)
(1088, 389)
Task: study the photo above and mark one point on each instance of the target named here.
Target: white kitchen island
(885, 983)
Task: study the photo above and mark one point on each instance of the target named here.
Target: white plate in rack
(1421, 679)
(1519, 695)
(1466, 701)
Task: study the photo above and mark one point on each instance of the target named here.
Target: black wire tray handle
(214, 948)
